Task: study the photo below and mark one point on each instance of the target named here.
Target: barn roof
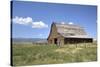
(70, 30)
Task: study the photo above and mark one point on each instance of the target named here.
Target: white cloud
(39, 24)
(70, 23)
(29, 21)
(40, 34)
(62, 22)
(22, 20)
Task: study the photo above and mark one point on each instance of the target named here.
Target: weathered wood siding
(54, 35)
(77, 40)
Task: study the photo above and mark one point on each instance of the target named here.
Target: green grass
(24, 54)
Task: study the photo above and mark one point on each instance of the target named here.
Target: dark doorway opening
(55, 41)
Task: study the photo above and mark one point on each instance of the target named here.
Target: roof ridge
(68, 25)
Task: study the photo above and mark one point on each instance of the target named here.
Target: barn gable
(53, 34)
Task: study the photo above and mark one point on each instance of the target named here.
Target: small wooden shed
(62, 33)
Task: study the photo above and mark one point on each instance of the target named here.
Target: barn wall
(53, 34)
(77, 40)
(61, 40)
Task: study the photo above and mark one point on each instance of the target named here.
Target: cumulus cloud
(62, 22)
(70, 23)
(22, 20)
(40, 34)
(67, 22)
(39, 24)
(29, 21)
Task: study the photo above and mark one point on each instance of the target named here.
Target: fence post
(76, 45)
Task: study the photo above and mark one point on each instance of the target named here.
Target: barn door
(55, 41)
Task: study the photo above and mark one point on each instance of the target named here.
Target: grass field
(24, 54)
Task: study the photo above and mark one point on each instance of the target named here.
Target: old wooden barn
(62, 33)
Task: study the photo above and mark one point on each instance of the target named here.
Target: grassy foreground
(24, 54)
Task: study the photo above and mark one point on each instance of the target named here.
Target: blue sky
(33, 19)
